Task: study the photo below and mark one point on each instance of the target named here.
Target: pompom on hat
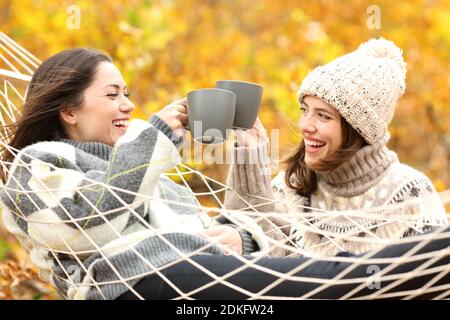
(363, 86)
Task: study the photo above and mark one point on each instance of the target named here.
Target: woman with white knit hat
(342, 168)
(74, 199)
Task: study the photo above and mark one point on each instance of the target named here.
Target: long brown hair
(305, 178)
(58, 84)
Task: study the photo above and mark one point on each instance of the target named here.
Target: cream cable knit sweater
(360, 206)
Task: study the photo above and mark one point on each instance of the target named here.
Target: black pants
(187, 277)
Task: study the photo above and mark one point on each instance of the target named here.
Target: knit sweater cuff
(250, 171)
(248, 244)
(162, 126)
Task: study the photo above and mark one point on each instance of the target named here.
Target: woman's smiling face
(320, 125)
(104, 114)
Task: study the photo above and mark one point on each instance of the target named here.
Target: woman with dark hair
(342, 164)
(74, 173)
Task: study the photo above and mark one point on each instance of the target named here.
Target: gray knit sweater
(77, 207)
(385, 200)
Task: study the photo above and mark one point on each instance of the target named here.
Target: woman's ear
(68, 116)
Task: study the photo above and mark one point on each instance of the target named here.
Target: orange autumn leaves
(167, 48)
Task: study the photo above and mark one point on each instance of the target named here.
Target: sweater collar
(357, 175)
(98, 149)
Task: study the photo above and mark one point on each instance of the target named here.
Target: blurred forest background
(165, 48)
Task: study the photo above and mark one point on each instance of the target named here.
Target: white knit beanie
(363, 86)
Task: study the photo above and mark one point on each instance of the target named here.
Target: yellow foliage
(167, 48)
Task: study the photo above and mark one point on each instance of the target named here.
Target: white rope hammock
(16, 68)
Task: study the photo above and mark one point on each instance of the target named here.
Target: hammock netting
(16, 68)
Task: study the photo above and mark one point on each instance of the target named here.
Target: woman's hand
(253, 137)
(175, 115)
(226, 236)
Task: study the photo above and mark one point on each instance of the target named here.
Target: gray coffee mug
(211, 114)
(248, 101)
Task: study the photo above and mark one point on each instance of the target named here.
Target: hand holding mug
(251, 138)
(175, 115)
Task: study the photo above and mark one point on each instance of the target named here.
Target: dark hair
(305, 178)
(58, 84)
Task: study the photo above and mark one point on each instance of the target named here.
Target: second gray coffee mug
(248, 101)
(211, 114)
